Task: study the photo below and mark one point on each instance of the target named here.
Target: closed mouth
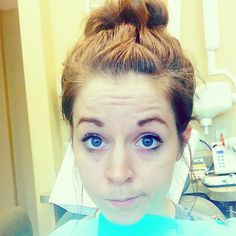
(121, 203)
(122, 200)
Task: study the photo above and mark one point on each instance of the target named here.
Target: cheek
(158, 177)
(90, 173)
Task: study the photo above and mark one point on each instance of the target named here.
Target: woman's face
(126, 145)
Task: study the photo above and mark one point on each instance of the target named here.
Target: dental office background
(35, 36)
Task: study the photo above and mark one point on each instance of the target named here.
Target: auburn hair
(130, 35)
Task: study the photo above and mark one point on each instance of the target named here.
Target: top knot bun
(140, 13)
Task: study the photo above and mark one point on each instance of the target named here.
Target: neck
(166, 208)
(170, 208)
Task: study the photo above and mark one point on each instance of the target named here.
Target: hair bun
(158, 14)
(147, 13)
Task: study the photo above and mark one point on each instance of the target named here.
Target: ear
(185, 136)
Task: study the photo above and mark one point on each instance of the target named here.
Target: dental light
(212, 99)
(212, 38)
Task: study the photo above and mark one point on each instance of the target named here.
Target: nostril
(120, 175)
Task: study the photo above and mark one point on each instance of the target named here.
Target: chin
(123, 219)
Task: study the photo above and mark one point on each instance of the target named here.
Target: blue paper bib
(163, 226)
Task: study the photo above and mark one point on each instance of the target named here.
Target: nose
(119, 169)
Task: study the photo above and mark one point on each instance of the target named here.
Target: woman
(128, 96)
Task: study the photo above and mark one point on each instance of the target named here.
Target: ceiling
(8, 4)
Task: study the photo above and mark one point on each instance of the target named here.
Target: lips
(123, 202)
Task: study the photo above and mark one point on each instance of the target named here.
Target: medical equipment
(224, 159)
(219, 180)
(224, 156)
(199, 168)
(212, 102)
(212, 38)
(212, 99)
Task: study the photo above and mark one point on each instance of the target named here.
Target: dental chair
(199, 203)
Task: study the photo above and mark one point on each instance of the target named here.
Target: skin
(121, 114)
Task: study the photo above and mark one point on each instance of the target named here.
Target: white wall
(7, 181)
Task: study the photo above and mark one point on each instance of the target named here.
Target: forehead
(130, 93)
(124, 87)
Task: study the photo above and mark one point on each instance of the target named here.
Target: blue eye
(93, 141)
(149, 141)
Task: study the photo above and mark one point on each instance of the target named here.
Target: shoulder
(184, 213)
(74, 227)
(206, 227)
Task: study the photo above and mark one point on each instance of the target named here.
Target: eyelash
(89, 136)
(156, 137)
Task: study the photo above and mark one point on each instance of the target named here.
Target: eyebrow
(140, 123)
(148, 120)
(90, 120)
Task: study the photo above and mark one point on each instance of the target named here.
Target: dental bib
(158, 225)
(148, 226)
